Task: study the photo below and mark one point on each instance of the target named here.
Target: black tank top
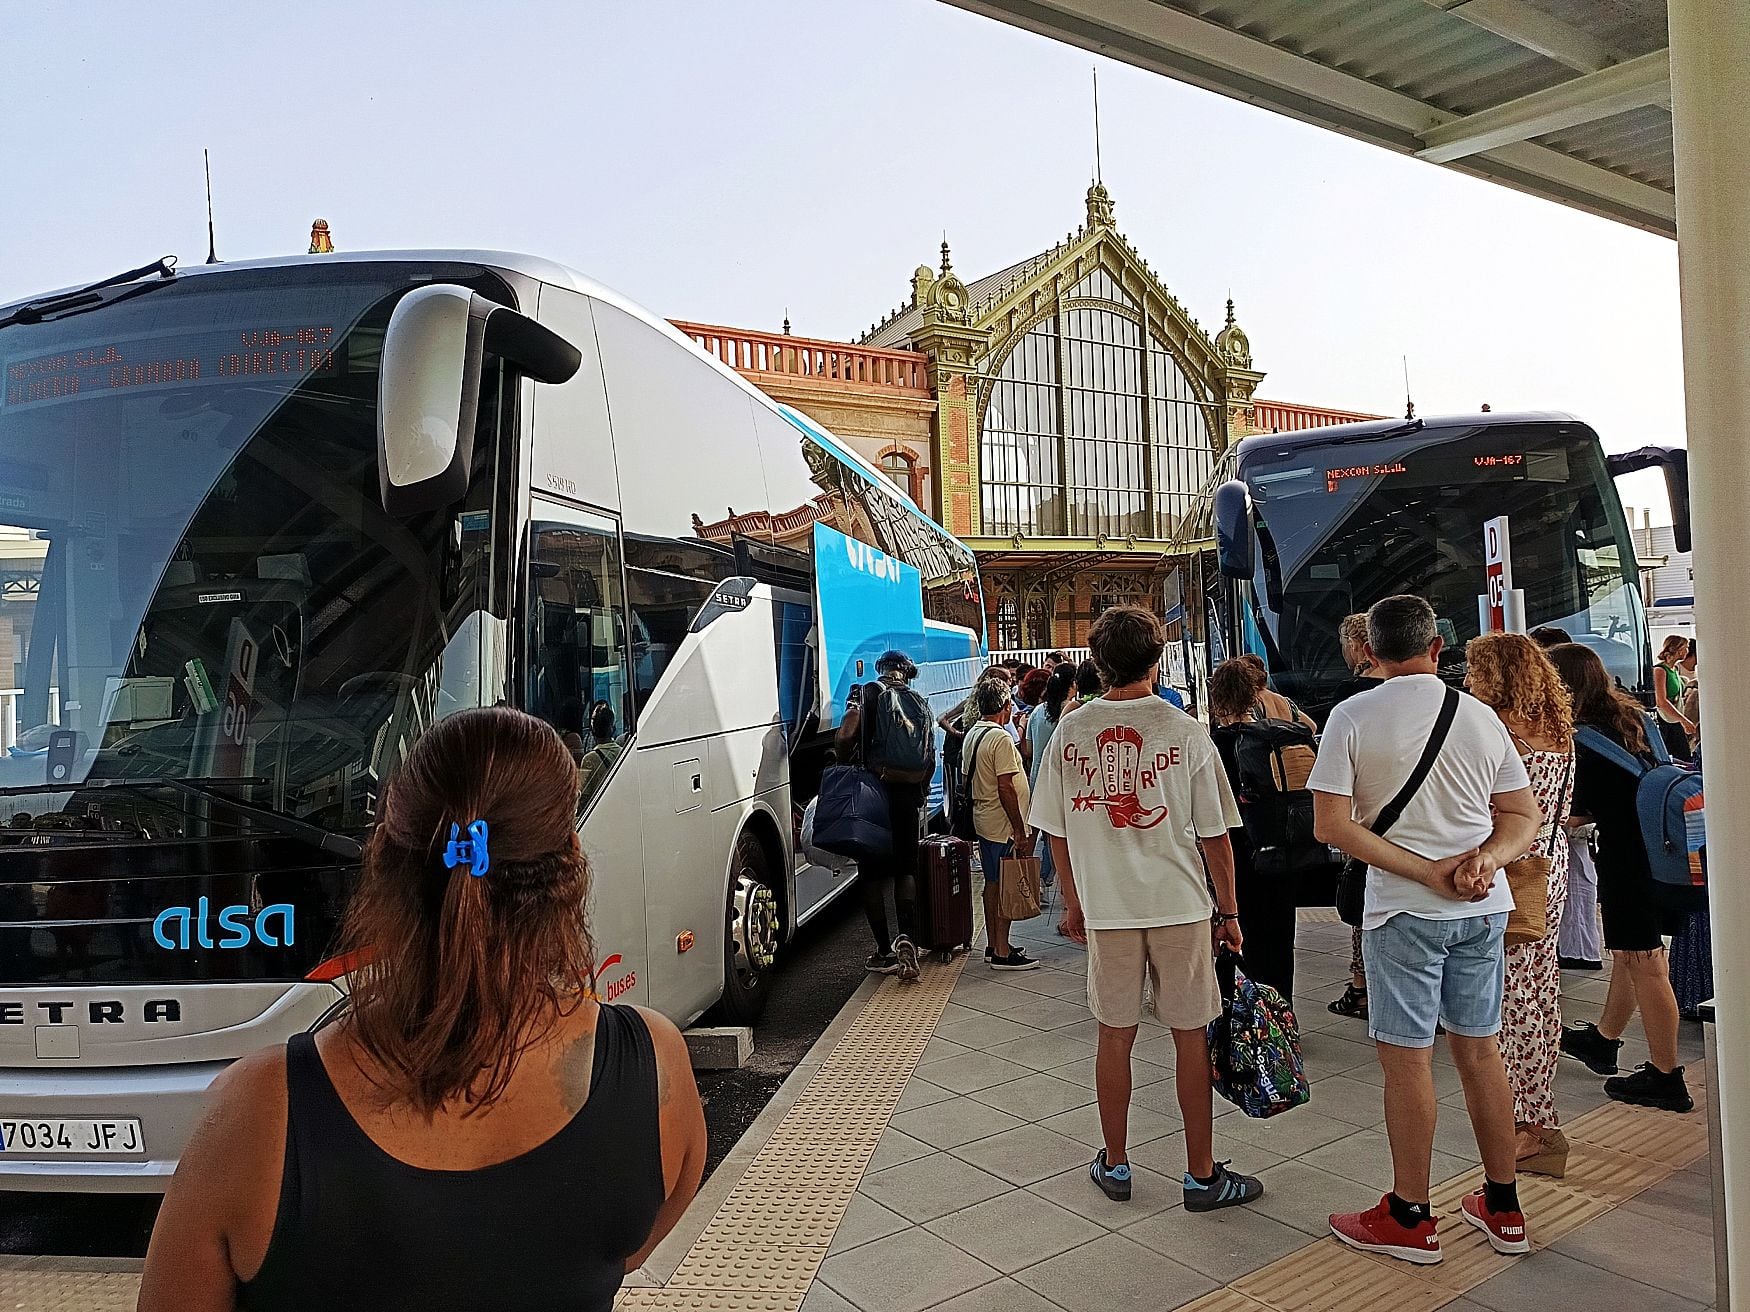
(549, 1229)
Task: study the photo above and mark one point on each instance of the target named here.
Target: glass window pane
(580, 663)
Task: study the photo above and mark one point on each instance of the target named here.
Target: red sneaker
(1376, 1231)
(1506, 1230)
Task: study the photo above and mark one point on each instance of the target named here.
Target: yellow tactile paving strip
(762, 1248)
(69, 1291)
(1617, 1151)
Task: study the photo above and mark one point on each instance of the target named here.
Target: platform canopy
(1565, 99)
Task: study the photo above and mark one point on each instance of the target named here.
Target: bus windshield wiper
(81, 299)
(325, 840)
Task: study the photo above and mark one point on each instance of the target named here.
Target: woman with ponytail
(476, 1130)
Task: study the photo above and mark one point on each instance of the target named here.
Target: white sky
(726, 160)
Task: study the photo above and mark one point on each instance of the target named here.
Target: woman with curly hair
(1510, 673)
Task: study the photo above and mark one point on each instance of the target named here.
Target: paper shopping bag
(1018, 896)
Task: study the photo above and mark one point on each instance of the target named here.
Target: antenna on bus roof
(212, 247)
(1409, 405)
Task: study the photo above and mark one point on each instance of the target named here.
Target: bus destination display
(215, 355)
(1433, 467)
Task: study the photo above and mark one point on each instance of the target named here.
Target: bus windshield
(1345, 524)
(198, 581)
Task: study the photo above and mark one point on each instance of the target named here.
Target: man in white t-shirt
(1435, 911)
(1129, 790)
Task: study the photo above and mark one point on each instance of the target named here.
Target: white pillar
(1710, 91)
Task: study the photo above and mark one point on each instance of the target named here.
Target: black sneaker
(1648, 1086)
(1227, 1189)
(1016, 960)
(906, 952)
(1578, 963)
(1585, 1043)
(1114, 1181)
(1353, 1003)
(882, 963)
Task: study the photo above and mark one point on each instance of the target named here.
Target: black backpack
(1270, 761)
(899, 733)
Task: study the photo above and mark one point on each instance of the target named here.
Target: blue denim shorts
(1426, 972)
(990, 857)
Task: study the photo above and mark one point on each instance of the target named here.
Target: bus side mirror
(1235, 547)
(428, 388)
(1673, 461)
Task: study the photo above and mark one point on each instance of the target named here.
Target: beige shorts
(1178, 961)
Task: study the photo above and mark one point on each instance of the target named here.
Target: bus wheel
(751, 944)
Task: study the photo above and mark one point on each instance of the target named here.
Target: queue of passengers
(477, 1121)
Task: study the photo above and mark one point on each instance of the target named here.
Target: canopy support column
(1710, 76)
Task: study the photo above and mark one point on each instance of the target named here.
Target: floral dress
(1531, 1012)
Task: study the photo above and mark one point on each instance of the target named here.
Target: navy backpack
(1669, 806)
(850, 815)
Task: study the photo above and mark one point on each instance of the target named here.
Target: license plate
(64, 1136)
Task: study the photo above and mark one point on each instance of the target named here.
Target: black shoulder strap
(865, 710)
(972, 756)
(1436, 740)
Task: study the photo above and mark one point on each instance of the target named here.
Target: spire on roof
(1232, 344)
(947, 264)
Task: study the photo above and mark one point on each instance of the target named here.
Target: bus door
(577, 658)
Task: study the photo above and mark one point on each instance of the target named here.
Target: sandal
(1542, 1152)
(1353, 1003)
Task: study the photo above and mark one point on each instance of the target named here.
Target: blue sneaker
(1227, 1189)
(1114, 1181)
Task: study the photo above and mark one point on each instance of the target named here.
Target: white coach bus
(262, 524)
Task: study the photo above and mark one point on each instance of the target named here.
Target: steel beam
(1585, 99)
(1550, 37)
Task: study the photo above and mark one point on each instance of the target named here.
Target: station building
(1064, 416)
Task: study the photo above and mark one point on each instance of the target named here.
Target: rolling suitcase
(945, 901)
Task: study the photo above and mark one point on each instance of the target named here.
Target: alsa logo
(235, 925)
(870, 561)
(615, 987)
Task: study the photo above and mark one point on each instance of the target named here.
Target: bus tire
(751, 933)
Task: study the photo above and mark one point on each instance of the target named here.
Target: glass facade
(1091, 428)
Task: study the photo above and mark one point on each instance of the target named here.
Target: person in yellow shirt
(1000, 798)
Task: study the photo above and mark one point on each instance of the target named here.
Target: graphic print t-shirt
(1132, 785)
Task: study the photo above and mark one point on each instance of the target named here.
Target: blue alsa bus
(262, 524)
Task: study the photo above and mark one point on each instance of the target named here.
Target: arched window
(1092, 427)
(901, 465)
(1038, 622)
(1008, 624)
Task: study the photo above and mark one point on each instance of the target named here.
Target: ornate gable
(1098, 248)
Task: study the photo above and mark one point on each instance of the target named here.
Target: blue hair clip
(470, 851)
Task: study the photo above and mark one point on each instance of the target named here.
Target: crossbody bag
(1352, 879)
(1528, 877)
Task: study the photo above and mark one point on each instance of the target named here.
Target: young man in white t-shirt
(1432, 924)
(1128, 792)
